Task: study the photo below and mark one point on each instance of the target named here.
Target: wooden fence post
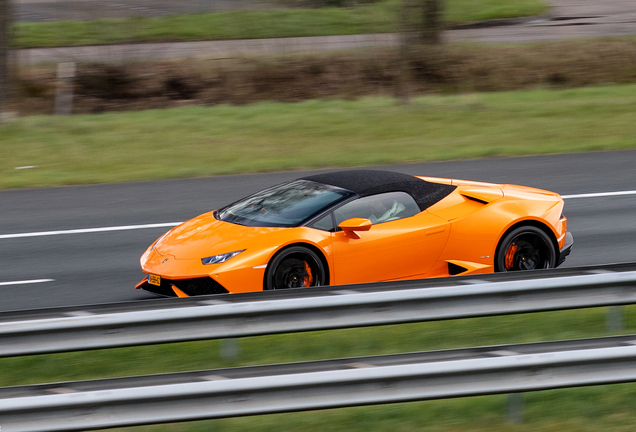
(5, 22)
(64, 91)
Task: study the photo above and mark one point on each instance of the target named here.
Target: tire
(525, 248)
(295, 267)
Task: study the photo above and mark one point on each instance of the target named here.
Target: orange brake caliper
(510, 256)
(309, 278)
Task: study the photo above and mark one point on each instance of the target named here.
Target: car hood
(205, 236)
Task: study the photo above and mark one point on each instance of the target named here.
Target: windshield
(285, 205)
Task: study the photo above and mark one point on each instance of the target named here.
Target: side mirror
(350, 226)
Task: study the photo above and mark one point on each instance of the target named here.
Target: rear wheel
(525, 248)
(295, 267)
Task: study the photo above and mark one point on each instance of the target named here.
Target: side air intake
(482, 195)
(454, 269)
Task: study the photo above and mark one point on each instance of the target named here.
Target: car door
(402, 242)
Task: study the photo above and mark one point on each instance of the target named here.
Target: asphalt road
(567, 19)
(99, 267)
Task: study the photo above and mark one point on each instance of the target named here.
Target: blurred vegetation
(376, 17)
(225, 139)
(584, 409)
(450, 69)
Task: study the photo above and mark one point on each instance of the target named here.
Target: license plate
(154, 279)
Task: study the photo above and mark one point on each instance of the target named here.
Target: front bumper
(566, 249)
(189, 287)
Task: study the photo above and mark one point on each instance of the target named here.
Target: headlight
(155, 244)
(218, 259)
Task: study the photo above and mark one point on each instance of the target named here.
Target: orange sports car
(359, 226)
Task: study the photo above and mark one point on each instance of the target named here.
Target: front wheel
(295, 267)
(525, 248)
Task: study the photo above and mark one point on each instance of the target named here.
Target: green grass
(372, 18)
(585, 409)
(202, 141)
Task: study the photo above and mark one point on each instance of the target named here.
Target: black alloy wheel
(295, 267)
(525, 248)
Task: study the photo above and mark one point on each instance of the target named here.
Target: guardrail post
(514, 405)
(229, 349)
(614, 318)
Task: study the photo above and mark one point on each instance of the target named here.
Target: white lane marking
(172, 224)
(26, 282)
(89, 230)
(600, 194)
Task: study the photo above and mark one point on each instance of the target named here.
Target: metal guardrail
(212, 319)
(292, 293)
(316, 385)
(283, 388)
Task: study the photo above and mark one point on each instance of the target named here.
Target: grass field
(202, 141)
(376, 17)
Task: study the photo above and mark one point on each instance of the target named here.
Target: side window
(379, 208)
(325, 223)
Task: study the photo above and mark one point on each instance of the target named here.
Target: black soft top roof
(372, 182)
